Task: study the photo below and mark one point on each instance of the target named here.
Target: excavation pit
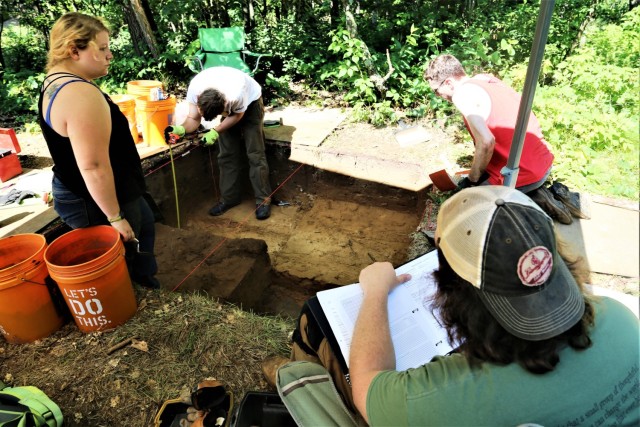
(324, 228)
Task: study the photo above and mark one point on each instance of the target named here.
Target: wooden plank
(396, 173)
(145, 151)
(608, 241)
(26, 219)
(303, 126)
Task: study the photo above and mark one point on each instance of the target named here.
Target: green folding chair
(223, 47)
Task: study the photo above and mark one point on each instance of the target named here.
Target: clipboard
(321, 320)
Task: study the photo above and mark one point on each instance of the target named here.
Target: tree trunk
(139, 28)
(149, 14)
(249, 15)
(2, 63)
(374, 75)
(225, 19)
(590, 17)
(335, 13)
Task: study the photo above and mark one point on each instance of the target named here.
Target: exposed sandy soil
(329, 228)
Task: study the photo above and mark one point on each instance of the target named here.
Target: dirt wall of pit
(323, 230)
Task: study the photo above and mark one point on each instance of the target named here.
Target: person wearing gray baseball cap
(532, 346)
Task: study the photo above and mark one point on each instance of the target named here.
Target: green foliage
(378, 114)
(19, 94)
(587, 101)
(297, 50)
(590, 113)
(23, 49)
(348, 72)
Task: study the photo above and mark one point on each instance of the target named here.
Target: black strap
(318, 328)
(60, 75)
(56, 297)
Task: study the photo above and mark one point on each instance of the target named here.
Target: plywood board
(26, 219)
(303, 125)
(405, 174)
(609, 241)
(412, 135)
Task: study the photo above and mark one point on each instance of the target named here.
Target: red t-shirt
(536, 159)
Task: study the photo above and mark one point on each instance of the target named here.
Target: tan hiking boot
(578, 204)
(553, 207)
(270, 368)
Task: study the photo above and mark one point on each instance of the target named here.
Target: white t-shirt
(238, 88)
(471, 99)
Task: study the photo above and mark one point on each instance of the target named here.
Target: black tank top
(125, 161)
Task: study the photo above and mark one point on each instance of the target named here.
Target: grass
(181, 339)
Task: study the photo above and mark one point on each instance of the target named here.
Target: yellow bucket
(127, 105)
(154, 117)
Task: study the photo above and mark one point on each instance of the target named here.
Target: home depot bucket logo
(86, 307)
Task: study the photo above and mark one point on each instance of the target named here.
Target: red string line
(244, 220)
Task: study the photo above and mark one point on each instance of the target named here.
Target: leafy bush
(23, 49)
(591, 112)
(19, 94)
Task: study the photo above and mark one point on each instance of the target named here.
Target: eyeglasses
(437, 90)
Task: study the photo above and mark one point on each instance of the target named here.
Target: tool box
(9, 148)
(265, 409)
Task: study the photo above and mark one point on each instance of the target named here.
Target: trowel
(443, 181)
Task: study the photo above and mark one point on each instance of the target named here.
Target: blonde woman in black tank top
(98, 177)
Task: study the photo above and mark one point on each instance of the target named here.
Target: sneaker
(554, 208)
(270, 368)
(221, 208)
(263, 211)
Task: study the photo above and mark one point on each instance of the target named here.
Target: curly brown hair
(211, 103)
(482, 339)
(443, 67)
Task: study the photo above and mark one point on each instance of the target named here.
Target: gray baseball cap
(500, 241)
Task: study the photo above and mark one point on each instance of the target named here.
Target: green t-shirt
(597, 386)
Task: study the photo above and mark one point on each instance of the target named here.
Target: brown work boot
(554, 208)
(270, 368)
(577, 204)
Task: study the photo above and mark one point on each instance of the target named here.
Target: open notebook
(416, 332)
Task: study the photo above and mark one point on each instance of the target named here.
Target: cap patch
(534, 266)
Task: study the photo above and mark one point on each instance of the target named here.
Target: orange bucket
(89, 266)
(154, 117)
(27, 312)
(127, 105)
(139, 88)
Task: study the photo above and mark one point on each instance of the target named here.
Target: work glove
(466, 182)
(210, 138)
(177, 130)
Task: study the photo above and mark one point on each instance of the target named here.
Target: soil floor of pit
(329, 227)
(324, 228)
